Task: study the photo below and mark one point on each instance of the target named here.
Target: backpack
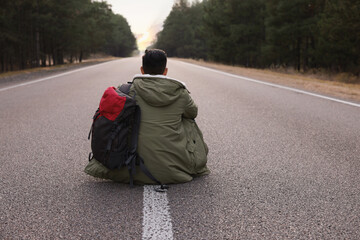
(114, 133)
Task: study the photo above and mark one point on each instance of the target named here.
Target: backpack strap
(133, 148)
(125, 88)
(143, 168)
(131, 161)
(134, 158)
(96, 115)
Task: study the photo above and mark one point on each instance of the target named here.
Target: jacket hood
(158, 90)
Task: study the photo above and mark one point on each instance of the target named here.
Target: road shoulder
(344, 91)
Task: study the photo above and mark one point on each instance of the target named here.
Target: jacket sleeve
(191, 109)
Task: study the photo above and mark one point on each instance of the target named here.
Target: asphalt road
(285, 165)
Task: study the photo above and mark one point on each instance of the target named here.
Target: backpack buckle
(161, 188)
(91, 156)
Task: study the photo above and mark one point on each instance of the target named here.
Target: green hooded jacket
(170, 142)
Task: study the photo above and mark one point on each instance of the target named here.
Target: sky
(145, 17)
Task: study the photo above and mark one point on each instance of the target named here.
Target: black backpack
(114, 133)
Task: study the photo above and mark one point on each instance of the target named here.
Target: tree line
(49, 32)
(301, 34)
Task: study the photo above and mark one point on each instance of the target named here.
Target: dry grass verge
(311, 83)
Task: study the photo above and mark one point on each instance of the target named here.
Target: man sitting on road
(170, 141)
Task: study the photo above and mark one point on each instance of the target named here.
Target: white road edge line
(51, 77)
(156, 215)
(273, 85)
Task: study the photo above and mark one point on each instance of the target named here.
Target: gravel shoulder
(344, 91)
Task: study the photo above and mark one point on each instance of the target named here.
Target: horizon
(153, 15)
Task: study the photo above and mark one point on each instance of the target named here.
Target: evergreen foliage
(46, 32)
(182, 35)
(235, 31)
(301, 34)
(339, 36)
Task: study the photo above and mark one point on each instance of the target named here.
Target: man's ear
(165, 71)
(142, 70)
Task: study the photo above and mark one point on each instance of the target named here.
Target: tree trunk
(43, 60)
(37, 63)
(54, 57)
(306, 54)
(60, 57)
(2, 63)
(37, 54)
(11, 65)
(298, 52)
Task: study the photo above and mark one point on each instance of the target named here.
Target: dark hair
(154, 61)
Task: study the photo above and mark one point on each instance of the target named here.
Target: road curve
(285, 165)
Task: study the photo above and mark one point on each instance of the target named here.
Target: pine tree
(182, 32)
(339, 36)
(291, 28)
(47, 32)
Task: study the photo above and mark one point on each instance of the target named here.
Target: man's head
(154, 62)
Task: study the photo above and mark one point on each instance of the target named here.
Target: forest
(36, 33)
(299, 34)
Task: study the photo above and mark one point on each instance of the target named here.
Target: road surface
(285, 164)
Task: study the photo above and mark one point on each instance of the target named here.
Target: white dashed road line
(156, 215)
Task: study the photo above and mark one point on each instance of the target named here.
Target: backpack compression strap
(134, 142)
(143, 168)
